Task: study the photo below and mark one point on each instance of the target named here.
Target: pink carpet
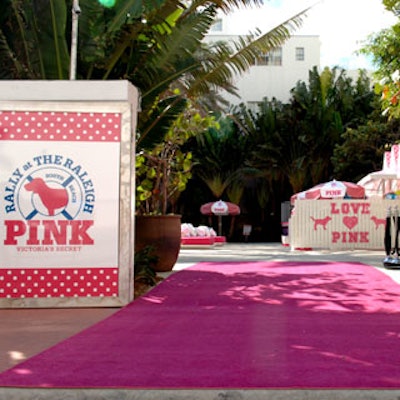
(238, 325)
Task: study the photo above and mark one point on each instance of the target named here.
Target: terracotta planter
(163, 232)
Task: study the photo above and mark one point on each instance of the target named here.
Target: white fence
(339, 224)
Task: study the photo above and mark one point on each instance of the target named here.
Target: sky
(342, 25)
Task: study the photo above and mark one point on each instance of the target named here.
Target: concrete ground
(26, 332)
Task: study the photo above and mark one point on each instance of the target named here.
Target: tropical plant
(219, 153)
(384, 48)
(162, 172)
(362, 148)
(33, 41)
(330, 103)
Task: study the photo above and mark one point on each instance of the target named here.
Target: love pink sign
(350, 211)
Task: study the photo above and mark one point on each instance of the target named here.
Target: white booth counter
(339, 224)
(67, 184)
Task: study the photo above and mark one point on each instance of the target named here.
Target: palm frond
(11, 67)
(176, 57)
(14, 44)
(158, 120)
(225, 6)
(48, 32)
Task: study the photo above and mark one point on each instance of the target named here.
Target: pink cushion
(198, 240)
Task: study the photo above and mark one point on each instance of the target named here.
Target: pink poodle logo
(49, 198)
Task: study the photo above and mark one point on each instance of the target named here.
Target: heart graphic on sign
(350, 222)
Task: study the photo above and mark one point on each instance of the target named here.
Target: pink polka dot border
(58, 282)
(60, 126)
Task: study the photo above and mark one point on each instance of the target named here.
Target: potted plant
(162, 173)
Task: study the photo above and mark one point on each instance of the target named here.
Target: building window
(299, 53)
(216, 26)
(273, 57)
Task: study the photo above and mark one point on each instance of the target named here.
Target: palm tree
(325, 107)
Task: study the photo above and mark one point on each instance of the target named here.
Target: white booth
(67, 187)
(339, 224)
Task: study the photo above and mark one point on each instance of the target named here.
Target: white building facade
(274, 74)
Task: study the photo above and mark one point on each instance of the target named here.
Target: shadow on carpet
(238, 325)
